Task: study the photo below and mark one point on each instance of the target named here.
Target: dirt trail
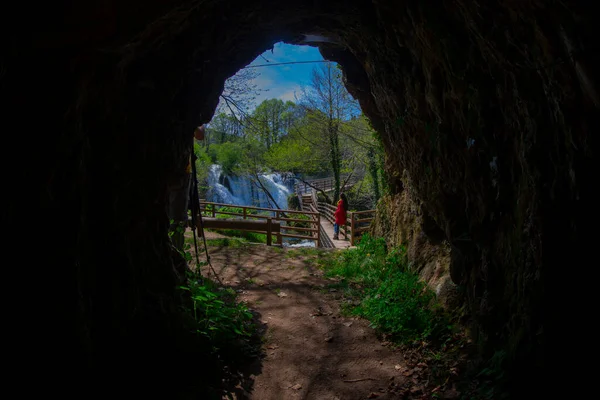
(312, 352)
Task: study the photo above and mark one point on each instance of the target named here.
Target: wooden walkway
(328, 230)
(314, 222)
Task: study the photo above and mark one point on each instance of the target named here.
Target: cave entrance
(286, 119)
(488, 105)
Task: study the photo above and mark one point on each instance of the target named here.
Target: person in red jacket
(340, 215)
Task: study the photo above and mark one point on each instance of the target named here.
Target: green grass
(383, 290)
(306, 251)
(227, 242)
(249, 236)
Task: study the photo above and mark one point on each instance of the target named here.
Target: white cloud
(263, 81)
(290, 94)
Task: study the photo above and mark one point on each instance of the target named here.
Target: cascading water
(243, 191)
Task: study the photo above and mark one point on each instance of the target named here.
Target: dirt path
(312, 352)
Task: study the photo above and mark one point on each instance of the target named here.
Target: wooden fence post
(214, 210)
(245, 212)
(279, 238)
(318, 230)
(269, 239)
(346, 229)
(351, 229)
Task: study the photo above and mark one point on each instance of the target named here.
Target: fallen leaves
(451, 393)
(415, 389)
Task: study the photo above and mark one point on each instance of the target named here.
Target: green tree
(271, 120)
(329, 104)
(228, 155)
(223, 128)
(297, 152)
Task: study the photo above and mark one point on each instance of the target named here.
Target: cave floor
(311, 350)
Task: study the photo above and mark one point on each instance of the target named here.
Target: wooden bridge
(314, 222)
(325, 184)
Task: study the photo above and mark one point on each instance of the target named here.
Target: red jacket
(340, 214)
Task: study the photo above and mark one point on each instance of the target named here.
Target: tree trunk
(335, 159)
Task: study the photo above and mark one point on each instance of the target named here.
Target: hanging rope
(195, 202)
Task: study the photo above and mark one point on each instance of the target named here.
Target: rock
(297, 386)
(429, 119)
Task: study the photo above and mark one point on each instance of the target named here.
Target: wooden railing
(357, 222)
(360, 221)
(283, 217)
(324, 184)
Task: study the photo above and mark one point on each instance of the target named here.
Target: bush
(217, 314)
(298, 224)
(391, 297)
(228, 155)
(293, 202)
(203, 163)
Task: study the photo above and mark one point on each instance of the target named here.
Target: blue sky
(283, 81)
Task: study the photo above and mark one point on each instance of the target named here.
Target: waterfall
(241, 190)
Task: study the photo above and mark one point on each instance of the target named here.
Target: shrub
(392, 297)
(217, 315)
(293, 202)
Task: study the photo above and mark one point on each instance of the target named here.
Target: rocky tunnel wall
(489, 107)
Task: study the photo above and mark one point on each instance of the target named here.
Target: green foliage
(217, 315)
(228, 155)
(237, 210)
(298, 224)
(249, 236)
(293, 202)
(234, 242)
(391, 296)
(271, 120)
(223, 128)
(203, 162)
(302, 150)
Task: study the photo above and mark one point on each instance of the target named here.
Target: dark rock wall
(400, 220)
(490, 107)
